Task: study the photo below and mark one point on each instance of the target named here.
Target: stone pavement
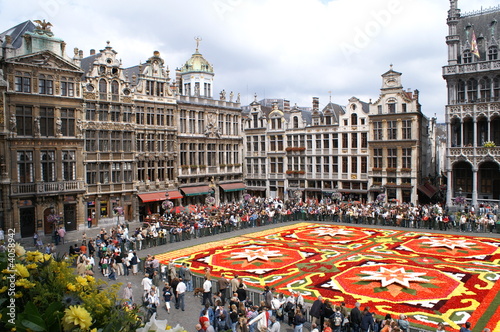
(189, 318)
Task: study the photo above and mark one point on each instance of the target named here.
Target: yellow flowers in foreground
(76, 316)
(22, 271)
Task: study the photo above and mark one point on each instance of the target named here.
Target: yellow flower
(31, 266)
(18, 295)
(25, 283)
(7, 271)
(20, 251)
(47, 257)
(76, 316)
(71, 287)
(82, 280)
(90, 278)
(22, 271)
(3, 289)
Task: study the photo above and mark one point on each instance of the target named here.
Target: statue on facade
(231, 96)
(13, 123)
(42, 25)
(79, 126)
(196, 90)
(58, 126)
(238, 98)
(223, 95)
(37, 125)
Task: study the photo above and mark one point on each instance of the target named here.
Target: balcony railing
(47, 187)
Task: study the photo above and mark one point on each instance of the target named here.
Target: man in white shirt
(207, 292)
(181, 291)
(274, 326)
(146, 284)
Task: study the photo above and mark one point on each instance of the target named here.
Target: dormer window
(493, 53)
(354, 119)
(295, 122)
(391, 106)
(467, 57)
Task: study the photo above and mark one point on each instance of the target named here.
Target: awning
(153, 197)
(194, 191)
(428, 189)
(228, 187)
(174, 194)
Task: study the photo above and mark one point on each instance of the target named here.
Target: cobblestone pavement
(189, 318)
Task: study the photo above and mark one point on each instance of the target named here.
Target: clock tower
(391, 80)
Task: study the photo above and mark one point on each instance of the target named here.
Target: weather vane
(198, 40)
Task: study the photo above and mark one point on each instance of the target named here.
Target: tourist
(367, 321)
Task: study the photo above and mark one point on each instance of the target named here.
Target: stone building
(473, 110)
(41, 137)
(399, 143)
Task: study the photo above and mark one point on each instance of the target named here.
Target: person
(298, 320)
(134, 263)
(35, 239)
(440, 327)
(167, 296)
(233, 317)
(146, 284)
(208, 327)
(314, 327)
(275, 326)
(316, 310)
(223, 285)
(207, 292)
(128, 293)
(268, 296)
(62, 234)
(181, 292)
(337, 320)
(367, 321)
(242, 325)
(188, 278)
(221, 318)
(355, 317)
(152, 303)
(466, 328)
(327, 327)
(172, 273)
(242, 293)
(403, 323)
(235, 283)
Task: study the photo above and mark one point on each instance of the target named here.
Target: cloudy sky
(292, 49)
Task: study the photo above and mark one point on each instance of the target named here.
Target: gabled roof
(86, 63)
(17, 32)
(42, 58)
(131, 71)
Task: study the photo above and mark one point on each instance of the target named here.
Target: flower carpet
(427, 276)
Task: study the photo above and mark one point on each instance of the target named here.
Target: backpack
(337, 320)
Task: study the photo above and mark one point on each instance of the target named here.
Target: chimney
(315, 103)
(286, 105)
(92, 52)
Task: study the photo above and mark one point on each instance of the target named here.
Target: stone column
(474, 186)
(474, 132)
(449, 188)
(462, 132)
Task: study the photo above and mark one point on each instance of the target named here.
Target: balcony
(466, 68)
(470, 151)
(45, 188)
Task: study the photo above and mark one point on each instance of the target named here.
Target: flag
(474, 50)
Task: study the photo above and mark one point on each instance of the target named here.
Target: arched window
(471, 90)
(496, 88)
(295, 122)
(103, 89)
(115, 87)
(467, 57)
(391, 106)
(461, 91)
(493, 52)
(354, 119)
(485, 86)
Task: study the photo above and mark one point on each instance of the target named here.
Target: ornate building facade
(86, 142)
(473, 110)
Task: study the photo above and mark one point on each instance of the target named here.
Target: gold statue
(42, 25)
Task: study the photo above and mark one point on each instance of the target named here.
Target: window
(25, 167)
(22, 82)
(309, 142)
(127, 141)
(115, 87)
(335, 164)
(471, 90)
(406, 129)
(345, 141)
(127, 114)
(103, 141)
(90, 112)
(24, 120)
(326, 141)
(116, 173)
(207, 90)
(115, 113)
(354, 140)
(326, 164)
(295, 122)
(364, 140)
(67, 87)
(169, 117)
(485, 86)
(150, 116)
(392, 130)
(354, 119)
(45, 85)
(318, 141)
(192, 122)
(392, 158)
(127, 172)
(276, 165)
(141, 170)
(377, 131)
(103, 112)
(161, 142)
(90, 140)
(345, 165)
(404, 107)
(161, 170)
(364, 165)
(354, 165)
(493, 53)
(139, 115)
(116, 141)
(67, 122)
(104, 173)
(377, 158)
(379, 109)
(406, 157)
(68, 165)
(48, 161)
(183, 122)
(467, 56)
(47, 122)
(391, 107)
(461, 91)
(318, 164)
(91, 173)
(228, 125)
(335, 141)
(160, 117)
(103, 89)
